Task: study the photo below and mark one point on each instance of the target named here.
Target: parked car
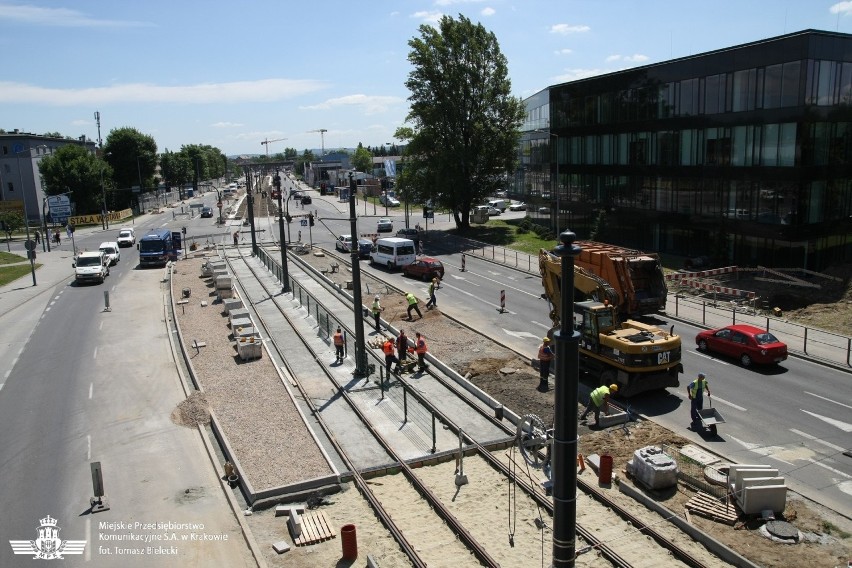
(493, 211)
(306, 200)
(389, 201)
(518, 207)
(126, 238)
(206, 212)
(747, 343)
(384, 225)
(111, 252)
(343, 243)
(424, 268)
(544, 209)
(409, 233)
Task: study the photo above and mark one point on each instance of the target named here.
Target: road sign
(303, 222)
(59, 205)
(29, 244)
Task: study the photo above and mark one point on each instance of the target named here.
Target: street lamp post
(360, 348)
(104, 219)
(555, 185)
(30, 252)
(285, 277)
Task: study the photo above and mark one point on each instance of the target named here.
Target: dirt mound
(192, 412)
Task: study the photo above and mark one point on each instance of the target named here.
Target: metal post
(250, 206)
(284, 278)
(360, 347)
(565, 413)
(30, 252)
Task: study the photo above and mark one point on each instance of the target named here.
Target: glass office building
(742, 155)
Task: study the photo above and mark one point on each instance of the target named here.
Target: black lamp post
(360, 348)
(565, 413)
(285, 276)
(30, 252)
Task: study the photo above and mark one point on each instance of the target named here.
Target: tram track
(532, 492)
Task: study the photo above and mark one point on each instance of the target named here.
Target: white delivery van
(111, 252)
(498, 204)
(393, 252)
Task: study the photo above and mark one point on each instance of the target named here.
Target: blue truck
(159, 246)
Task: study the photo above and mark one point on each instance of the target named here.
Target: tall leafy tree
(73, 168)
(363, 159)
(132, 155)
(465, 124)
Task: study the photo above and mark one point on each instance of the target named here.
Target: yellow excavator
(636, 356)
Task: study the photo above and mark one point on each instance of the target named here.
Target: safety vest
(338, 338)
(421, 346)
(387, 347)
(696, 387)
(545, 353)
(598, 394)
(432, 289)
(412, 299)
(377, 307)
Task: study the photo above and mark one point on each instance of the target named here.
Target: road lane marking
(88, 539)
(541, 325)
(731, 404)
(831, 469)
(478, 298)
(461, 278)
(501, 284)
(95, 355)
(1, 386)
(91, 387)
(845, 426)
(88, 447)
(815, 439)
(828, 400)
(765, 451)
(520, 334)
(709, 358)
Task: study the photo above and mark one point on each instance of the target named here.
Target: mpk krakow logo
(48, 545)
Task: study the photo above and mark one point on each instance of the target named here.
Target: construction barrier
(463, 257)
(710, 287)
(701, 274)
(502, 301)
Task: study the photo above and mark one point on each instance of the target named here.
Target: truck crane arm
(586, 285)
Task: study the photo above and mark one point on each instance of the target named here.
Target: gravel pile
(192, 412)
(272, 443)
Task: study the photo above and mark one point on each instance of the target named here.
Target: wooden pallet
(710, 507)
(315, 528)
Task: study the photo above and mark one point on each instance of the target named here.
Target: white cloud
(565, 29)
(488, 11)
(430, 17)
(844, 8)
(451, 2)
(263, 90)
(80, 122)
(575, 74)
(370, 104)
(226, 124)
(60, 17)
(635, 58)
(564, 51)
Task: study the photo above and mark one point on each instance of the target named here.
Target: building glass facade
(743, 155)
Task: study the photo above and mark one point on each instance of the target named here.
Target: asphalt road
(91, 385)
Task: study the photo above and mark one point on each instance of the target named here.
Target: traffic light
(425, 212)
(183, 230)
(311, 219)
(288, 217)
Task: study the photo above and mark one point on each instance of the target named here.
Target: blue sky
(233, 74)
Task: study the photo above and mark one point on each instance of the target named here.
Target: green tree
(73, 168)
(465, 123)
(10, 221)
(363, 160)
(175, 168)
(132, 155)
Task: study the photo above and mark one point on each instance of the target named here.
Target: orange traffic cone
(580, 462)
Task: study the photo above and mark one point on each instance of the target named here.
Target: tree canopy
(133, 157)
(465, 124)
(74, 168)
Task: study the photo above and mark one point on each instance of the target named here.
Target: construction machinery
(637, 277)
(267, 142)
(636, 356)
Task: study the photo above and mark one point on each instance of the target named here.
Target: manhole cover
(782, 529)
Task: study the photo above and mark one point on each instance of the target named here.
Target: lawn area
(10, 258)
(506, 234)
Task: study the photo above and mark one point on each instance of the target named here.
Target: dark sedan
(206, 212)
(424, 268)
(747, 343)
(306, 200)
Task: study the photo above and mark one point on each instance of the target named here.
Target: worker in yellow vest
(599, 398)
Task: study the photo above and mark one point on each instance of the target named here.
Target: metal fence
(696, 474)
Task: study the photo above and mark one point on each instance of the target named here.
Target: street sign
(29, 244)
(303, 222)
(59, 205)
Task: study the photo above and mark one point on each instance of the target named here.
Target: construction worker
(236, 238)
(389, 349)
(695, 390)
(599, 398)
(420, 348)
(401, 346)
(338, 345)
(412, 305)
(377, 309)
(545, 356)
(432, 303)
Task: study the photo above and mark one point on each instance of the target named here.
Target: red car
(747, 343)
(424, 268)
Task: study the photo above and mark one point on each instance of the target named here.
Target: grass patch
(10, 258)
(12, 273)
(830, 528)
(518, 234)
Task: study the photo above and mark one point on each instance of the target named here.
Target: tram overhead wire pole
(285, 277)
(361, 369)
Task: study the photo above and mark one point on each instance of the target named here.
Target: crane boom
(267, 142)
(322, 132)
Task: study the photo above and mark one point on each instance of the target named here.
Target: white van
(111, 252)
(393, 252)
(498, 204)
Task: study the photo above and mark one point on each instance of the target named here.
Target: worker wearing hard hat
(695, 391)
(599, 398)
(377, 309)
(545, 356)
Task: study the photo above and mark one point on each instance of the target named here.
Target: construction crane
(322, 132)
(267, 142)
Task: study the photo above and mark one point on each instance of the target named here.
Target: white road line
(815, 439)
(101, 325)
(495, 306)
(709, 358)
(501, 284)
(731, 404)
(95, 354)
(828, 400)
(845, 426)
(88, 447)
(831, 469)
(91, 388)
(1, 385)
(540, 324)
(88, 556)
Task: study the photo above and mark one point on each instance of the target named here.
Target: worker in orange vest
(545, 356)
(338, 345)
(389, 349)
(420, 348)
